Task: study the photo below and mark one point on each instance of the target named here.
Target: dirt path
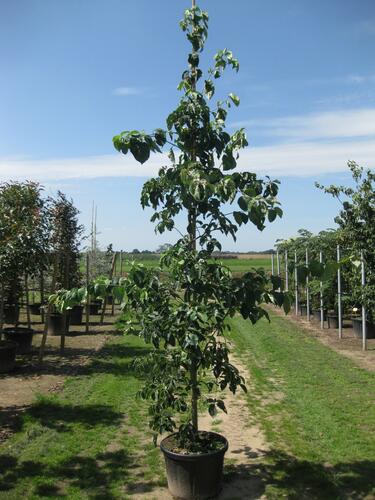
(247, 449)
(349, 346)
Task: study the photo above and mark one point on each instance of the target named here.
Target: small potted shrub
(24, 233)
(182, 307)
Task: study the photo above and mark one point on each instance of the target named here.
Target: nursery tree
(357, 230)
(23, 235)
(65, 242)
(185, 316)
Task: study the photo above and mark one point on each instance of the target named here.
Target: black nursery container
(194, 476)
(22, 337)
(333, 320)
(76, 315)
(57, 325)
(357, 328)
(7, 356)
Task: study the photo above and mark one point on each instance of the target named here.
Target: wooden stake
(65, 313)
(42, 295)
(307, 288)
(339, 291)
(363, 283)
(87, 292)
(1, 310)
(121, 263)
(321, 296)
(286, 272)
(27, 302)
(49, 309)
(296, 282)
(105, 298)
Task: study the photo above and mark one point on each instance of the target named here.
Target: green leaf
(228, 161)
(272, 214)
(235, 99)
(209, 88)
(242, 203)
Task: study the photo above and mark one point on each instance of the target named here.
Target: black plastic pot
(56, 324)
(333, 320)
(303, 309)
(316, 315)
(110, 300)
(11, 314)
(35, 308)
(7, 356)
(94, 307)
(76, 314)
(194, 476)
(23, 337)
(357, 328)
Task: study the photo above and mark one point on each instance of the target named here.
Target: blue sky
(76, 72)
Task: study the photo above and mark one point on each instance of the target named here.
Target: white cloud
(326, 125)
(308, 145)
(126, 91)
(294, 159)
(87, 167)
(307, 158)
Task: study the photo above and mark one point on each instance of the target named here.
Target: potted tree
(24, 235)
(185, 315)
(356, 223)
(65, 240)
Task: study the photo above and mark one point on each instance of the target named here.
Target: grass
(316, 408)
(90, 441)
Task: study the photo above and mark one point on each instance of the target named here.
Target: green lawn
(91, 440)
(316, 408)
(88, 442)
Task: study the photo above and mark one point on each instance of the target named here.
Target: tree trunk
(192, 230)
(194, 395)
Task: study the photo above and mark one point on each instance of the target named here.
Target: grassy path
(317, 409)
(87, 442)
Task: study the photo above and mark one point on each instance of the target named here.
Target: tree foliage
(65, 240)
(185, 316)
(356, 221)
(24, 230)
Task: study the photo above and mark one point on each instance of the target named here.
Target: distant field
(239, 265)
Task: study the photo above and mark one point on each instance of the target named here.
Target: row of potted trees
(356, 237)
(38, 235)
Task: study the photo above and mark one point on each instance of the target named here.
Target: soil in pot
(194, 475)
(357, 328)
(94, 307)
(333, 320)
(35, 308)
(23, 337)
(76, 314)
(11, 314)
(7, 356)
(56, 324)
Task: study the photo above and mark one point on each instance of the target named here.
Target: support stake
(363, 283)
(321, 296)
(339, 308)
